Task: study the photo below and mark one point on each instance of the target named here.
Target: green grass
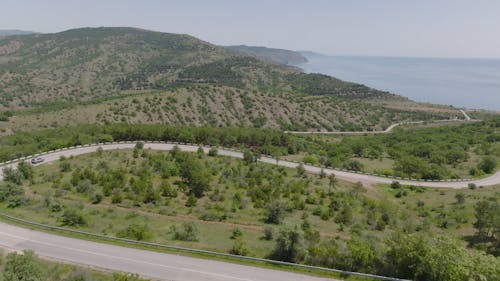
(432, 211)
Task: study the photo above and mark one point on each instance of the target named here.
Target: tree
(332, 181)
(487, 212)
(26, 170)
(288, 245)
(460, 198)
(249, 157)
(12, 175)
(487, 165)
(301, 171)
(22, 267)
(12, 194)
(274, 212)
(195, 175)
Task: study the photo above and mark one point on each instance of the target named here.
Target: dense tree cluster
(262, 140)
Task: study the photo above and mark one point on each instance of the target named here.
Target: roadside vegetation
(28, 267)
(445, 152)
(249, 208)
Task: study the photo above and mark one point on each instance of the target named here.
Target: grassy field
(243, 207)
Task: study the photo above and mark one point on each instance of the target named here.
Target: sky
(419, 28)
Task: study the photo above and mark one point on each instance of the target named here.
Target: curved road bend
(386, 131)
(347, 176)
(158, 266)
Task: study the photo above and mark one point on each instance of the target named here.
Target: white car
(36, 160)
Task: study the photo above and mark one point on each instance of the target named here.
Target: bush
(268, 233)
(64, 167)
(188, 231)
(139, 145)
(97, 198)
(73, 217)
(239, 248)
(12, 175)
(23, 267)
(12, 194)
(135, 232)
(26, 170)
(487, 165)
(288, 245)
(395, 185)
(213, 152)
(236, 233)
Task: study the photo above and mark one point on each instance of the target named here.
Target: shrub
(395, 185)
(135, 232)
(487, 165)
(268, 233)
(64, 167)
(239, 248)
(23, 267)
(213, 152)
(236, 233)
(73, 217)
(139, 145)
(12, 175)
(188, 231)
(274, 212)
(12, 194)
(288, 245)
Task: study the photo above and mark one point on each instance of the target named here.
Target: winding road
(343, 175)
(387, 130)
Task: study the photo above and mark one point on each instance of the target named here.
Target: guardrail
(234, 150)
(191, 250)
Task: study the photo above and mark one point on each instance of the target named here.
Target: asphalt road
(347, 176)
(148, 264)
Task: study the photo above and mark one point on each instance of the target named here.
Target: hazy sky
(435, 28)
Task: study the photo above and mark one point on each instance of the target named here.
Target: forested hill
(272, 55)
(112, 74)
(87, 63)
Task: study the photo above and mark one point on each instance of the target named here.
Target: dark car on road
(36, 160)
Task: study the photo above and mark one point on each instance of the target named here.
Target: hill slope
(272, 55)
(9, 32)
(78, 68)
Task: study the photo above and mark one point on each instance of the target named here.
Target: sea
(464, 83)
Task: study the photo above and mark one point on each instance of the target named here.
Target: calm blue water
(471, 83)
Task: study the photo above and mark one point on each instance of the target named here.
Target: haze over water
(470, 83)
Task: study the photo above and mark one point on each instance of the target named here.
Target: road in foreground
(347, 176)
(145, 263)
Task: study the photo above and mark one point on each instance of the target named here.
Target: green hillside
(104, 72)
